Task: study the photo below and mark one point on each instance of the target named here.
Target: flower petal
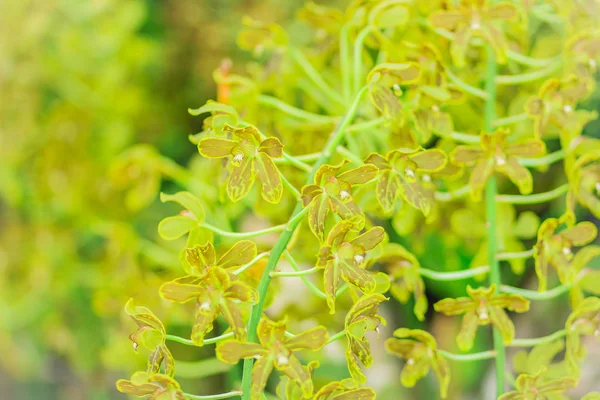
(430, 160)
(388, 186)
(360, 175)
(231, 351)
(260, 374)
(370, 239)
(446, 19)
(172, 228)
(501, 11)
(479, 176)
(239, 254)
(269, 177)
(312, 339)
(518, 174)
(468, 329)
(206, 313)
(532, 148)
(241, 179)
(182, 289)
(466, 154)
(331, 279)
(296, 372)
(317, 214)
(233, 316)
(215, 147)
(501, 321)
(272, 147)
(581, 234)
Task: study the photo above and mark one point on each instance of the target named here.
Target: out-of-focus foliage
(368, 124)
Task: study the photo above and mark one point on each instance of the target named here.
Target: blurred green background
(93, 123)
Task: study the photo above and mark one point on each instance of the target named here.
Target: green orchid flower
(497, 155)
(157, 386)
(251, 158)
(344, 258)
(361, 318)
(215, 290)
(420, 351)
(332, 192)
(531, 387)
(152, 335)
(483, 307)
(583, 321)
(475, 18)
(403, 269)
(556, 249)
(409, 176)
(275, 351)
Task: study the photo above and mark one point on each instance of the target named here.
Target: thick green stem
(286, 235)
(490, 203)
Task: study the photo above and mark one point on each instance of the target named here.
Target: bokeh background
(88, 90)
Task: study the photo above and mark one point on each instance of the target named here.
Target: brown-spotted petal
(241, 179)
(532, 148)
(182, 289)
(272, 147)
(501, 321)
(468, 329)
(239, 254)
(430, 160)
(231, 351)
(312, 339)
(466, 154)
(360, 175)
(446, 19)
(518, 174)
(260, 374)
(388, 187)
(317, 215)
(215, 147)
(269, 177)
(370, 239)
(580, 234)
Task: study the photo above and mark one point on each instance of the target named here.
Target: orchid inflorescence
(368, 130)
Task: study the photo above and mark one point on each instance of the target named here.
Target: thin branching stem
(541, 340)
(533, 198)
(307, 283)
(545, 160)
(529, 76)
(359, 43)
(228, 395)
(188, 342)
(294, 111)
(453, 275)
(465, 86)
(289, 186)
(345, 62)
(349, 155)
(242, 235)
(295, 273)
(465, 137)
(251, 263)
(336, 337)
(535, 295)
(484, 355)
(517, 255)
(453, 195)
(513, 119)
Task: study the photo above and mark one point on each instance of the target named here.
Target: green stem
(345, 61)
(308, 283)
(286, 235)
(530, 61)
(359, 43)
(234, 393)
(535, 295)
(465, 86)
(484, 355)
(490, 203)
(541, 340)
(289, 186)
(456, 194)
(454, 275)
(296, 163)
(515, 255)
(529, 76)
(349, 155)
(295, 273)
(251, 263)
(294, 111)
(374, 123)
(546, 160)
(513, 119)
(242, 235)
(533, 198)
(188, 342)
(314, 76)
(465, 137)
(337, 336)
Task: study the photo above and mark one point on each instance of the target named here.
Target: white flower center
(426, 178)
(568, 109)
(359, 258)
(282, 360)
(566, 251)
(598, 188)
(410, 361)
(344, 194)
(396, 88)
(238, 157)
(475, 25)
(500, 159)
(205, 306)
(593, 63)
(135, 346)
(435, 109)
(409, 173)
